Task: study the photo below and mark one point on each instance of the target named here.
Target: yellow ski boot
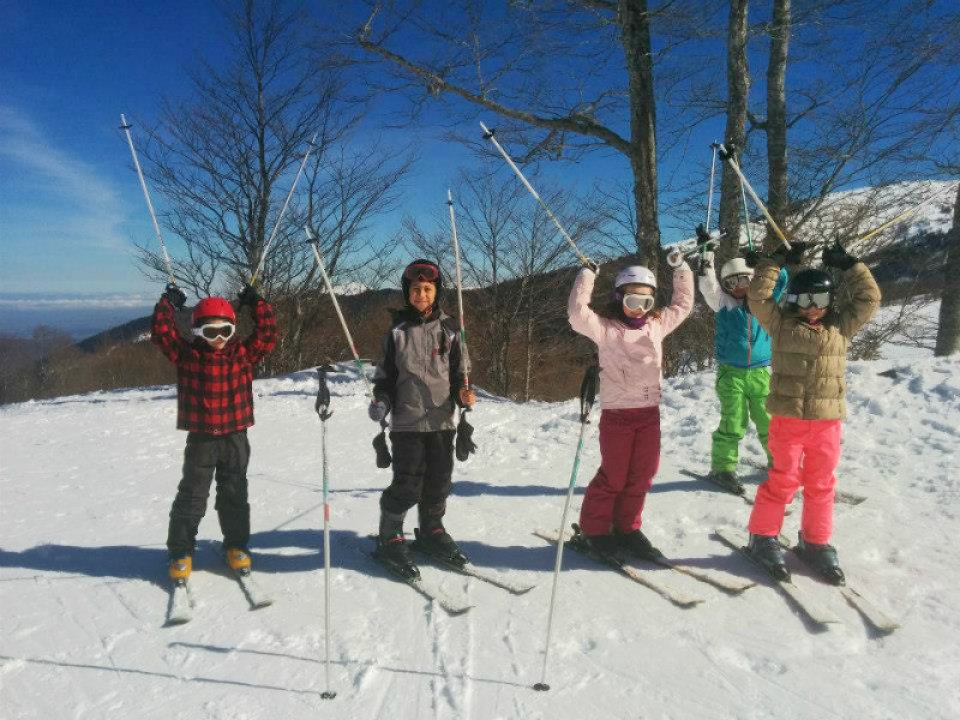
(180, 568)
(238, 560)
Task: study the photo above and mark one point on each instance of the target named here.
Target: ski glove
(675, 258)
(590, 265)
(383, 452)
(249, 296)
(464, 445)
(793, 256)
(175, 296)
(377, 410)
(751, 258)
(836, 256)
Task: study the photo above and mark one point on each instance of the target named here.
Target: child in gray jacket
(418, 382)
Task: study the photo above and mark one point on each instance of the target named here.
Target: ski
(251, 588)
(638, 576)
(748, 499)
(428, 588)
(870, 612)
(180, 607)
(737, 540)
(488, 576)
(731, 585)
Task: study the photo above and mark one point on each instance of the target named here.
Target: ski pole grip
(588, 391)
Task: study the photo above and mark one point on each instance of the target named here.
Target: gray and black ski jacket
(420, 376)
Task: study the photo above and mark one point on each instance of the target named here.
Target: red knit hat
(213, 307)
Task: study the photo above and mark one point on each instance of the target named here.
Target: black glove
(751, 258)
(793, 256)
(702, 235)
(727, 151)
(249, 296)
(590, 265)
(836, 256)
(175, 296)
(464, 444)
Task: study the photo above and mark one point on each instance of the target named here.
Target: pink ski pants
(629, 458)
(805, 453)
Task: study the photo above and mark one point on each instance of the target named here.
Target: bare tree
(948, 332)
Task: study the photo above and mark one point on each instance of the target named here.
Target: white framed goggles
(214, 330)
(805, 300)
(732, 282)
(635, 301)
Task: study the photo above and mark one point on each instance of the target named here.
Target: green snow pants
(742, 393)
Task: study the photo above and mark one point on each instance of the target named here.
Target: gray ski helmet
(422, 269)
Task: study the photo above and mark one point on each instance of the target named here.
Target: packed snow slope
(87, 481)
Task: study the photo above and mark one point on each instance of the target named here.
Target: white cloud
(77, 302)
(95, 213)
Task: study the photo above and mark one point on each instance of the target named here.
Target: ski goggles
(732, 282)
(805, 300)
(635, 301)
(421, 271)
(214, 330)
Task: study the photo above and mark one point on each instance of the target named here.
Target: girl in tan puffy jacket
(809, 336)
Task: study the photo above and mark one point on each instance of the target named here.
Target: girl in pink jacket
(630, 344)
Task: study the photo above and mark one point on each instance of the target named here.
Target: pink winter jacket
(630, 360)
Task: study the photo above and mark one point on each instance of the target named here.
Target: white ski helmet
(636, 274)
(736, 266)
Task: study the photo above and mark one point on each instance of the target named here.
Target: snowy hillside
(86, 483)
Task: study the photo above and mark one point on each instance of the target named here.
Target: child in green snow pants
(743, 395)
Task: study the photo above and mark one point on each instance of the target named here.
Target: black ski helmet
(807, 281)
(410, 270)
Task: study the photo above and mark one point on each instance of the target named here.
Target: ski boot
(436, 542)
(767, 553)
(636, 545)
(822, 559)
(395, 554)
(180, 568)
(727, 479)
(605, 548)
(239, 560)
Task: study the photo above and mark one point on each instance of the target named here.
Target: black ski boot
(822, 559)
(436, 542)
(605, 548)
(766, 551)
(636, 545)
(727, 479)
(392, 549)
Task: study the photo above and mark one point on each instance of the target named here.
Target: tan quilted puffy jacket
(808, 361)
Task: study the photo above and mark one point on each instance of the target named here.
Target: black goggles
(805, 300)
(421, 271)
(212, 331)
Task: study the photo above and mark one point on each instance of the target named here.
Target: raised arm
(264, 336)
(163, 331)
(763, 305)
(865, 294)
(710, 288)
(682, 301)
(582, 319)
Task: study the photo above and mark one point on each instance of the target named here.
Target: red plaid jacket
(214, 389)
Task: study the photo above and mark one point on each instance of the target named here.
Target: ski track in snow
(85, 487)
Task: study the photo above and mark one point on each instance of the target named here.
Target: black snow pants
(422, 468)
(205, 457)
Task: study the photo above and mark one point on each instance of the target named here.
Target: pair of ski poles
(125, 126)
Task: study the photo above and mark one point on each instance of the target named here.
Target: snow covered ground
(86, 483)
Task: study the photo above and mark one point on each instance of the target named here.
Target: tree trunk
(738, 90)
(948, 332)
(777, 200)
(635, 38)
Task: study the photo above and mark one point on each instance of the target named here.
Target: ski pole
(322, 406)
(125, 126)
(588, 393)
(728, 157)
(315, 244)
(746, 219)
(464, 357)
(489, 135)
(901, 216)
(283, 210)
(713, 173)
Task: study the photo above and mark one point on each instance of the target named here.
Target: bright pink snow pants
(629, 458)
(805, 452)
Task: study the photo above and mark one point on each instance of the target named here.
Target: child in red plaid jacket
(215, 407)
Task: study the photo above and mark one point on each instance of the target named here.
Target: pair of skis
(431, 589)
(180, 606)
(732, 586)
(818, 614)
(846, 498)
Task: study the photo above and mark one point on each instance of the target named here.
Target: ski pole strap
(588, 391)
(322, 405)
